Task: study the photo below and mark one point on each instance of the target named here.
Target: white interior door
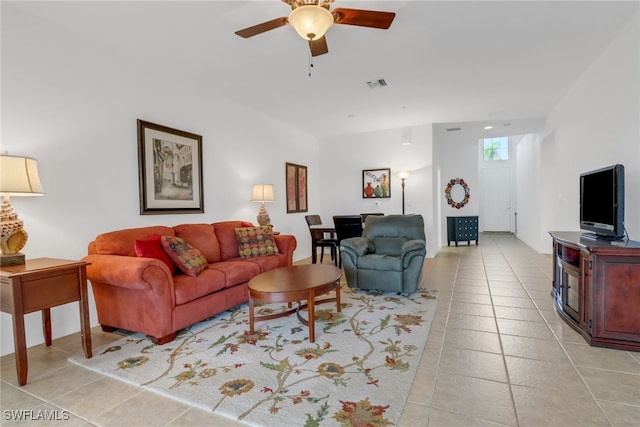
(496, 199)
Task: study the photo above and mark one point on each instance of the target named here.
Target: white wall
(528, 192)
(343, 158)
(456, 154)
(73, 105)
(457, 157)
(596, 124)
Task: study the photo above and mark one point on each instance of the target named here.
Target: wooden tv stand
(596, 288)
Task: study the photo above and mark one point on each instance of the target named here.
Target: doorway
(496, 201)
(496, 165)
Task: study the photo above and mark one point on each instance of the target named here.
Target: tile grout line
(560, 343)
(442, 340)
(495, 319)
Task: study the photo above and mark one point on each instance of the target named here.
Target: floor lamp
(403, 176)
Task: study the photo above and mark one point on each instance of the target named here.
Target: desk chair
(347, 226)
(318, 239)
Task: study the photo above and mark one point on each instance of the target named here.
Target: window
(496, 148)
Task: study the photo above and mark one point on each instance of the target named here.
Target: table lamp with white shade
(18, 177)
(263, 193)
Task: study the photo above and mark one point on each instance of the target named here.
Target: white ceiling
(444, 61)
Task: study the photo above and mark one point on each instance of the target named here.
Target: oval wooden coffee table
(295, 284)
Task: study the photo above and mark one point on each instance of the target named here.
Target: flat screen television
(602, 202)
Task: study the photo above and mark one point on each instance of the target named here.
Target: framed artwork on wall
(296, 183)
(169, 170)
(376, 183)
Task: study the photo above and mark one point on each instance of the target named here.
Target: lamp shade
(19, 176)
(403, 174)
(263, 193)
(311, 21)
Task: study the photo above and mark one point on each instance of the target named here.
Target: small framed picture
(296, 182)
(376, 183)
(170, 170)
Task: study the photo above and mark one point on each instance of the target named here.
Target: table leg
(20, 346)
(85, 326)
(46, 326)
(338, 304)
(314, 252)
(251, 315)
(19, 340)
(312, 317)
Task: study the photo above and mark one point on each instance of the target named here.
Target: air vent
(453, 129)
(374, 84)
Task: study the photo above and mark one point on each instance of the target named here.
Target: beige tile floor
(497, 355)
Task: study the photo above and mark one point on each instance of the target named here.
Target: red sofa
(142, 295)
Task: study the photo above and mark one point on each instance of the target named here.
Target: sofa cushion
(187, 258)
(256, 241)
(189, 288)
(267, 263)
(121, 242)
(151, 247)
(380, 262)
(236, 271)
(201, 237)
(226, 233)
(388, 245)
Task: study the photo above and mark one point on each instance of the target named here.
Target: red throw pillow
(151, 247)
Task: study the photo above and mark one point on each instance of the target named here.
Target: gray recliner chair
(389, 256)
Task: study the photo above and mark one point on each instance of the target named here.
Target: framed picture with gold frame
(169, 170)
(296, 184)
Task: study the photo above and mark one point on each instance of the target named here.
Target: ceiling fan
(312, 18)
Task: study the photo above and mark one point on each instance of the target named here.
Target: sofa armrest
(357, 246)
(135, 273)
(411, 249)
(286, 243)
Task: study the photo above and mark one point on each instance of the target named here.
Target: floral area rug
(358, 372)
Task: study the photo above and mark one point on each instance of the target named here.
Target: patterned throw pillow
(256, 241)
(188, 259)
(151, 247)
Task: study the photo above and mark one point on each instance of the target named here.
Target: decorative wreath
(447, 193)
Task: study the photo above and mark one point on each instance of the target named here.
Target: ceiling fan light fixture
(311, 22)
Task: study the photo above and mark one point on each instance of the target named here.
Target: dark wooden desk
(40, 284)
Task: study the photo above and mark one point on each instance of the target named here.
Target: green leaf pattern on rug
(132, 362)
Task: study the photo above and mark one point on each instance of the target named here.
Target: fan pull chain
(310, 63)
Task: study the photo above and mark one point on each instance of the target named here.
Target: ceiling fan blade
(363, 18)
(261, 28)
(318, 47)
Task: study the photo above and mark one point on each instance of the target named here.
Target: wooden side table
(40, 284)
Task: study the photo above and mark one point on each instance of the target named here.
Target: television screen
(602, 201)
